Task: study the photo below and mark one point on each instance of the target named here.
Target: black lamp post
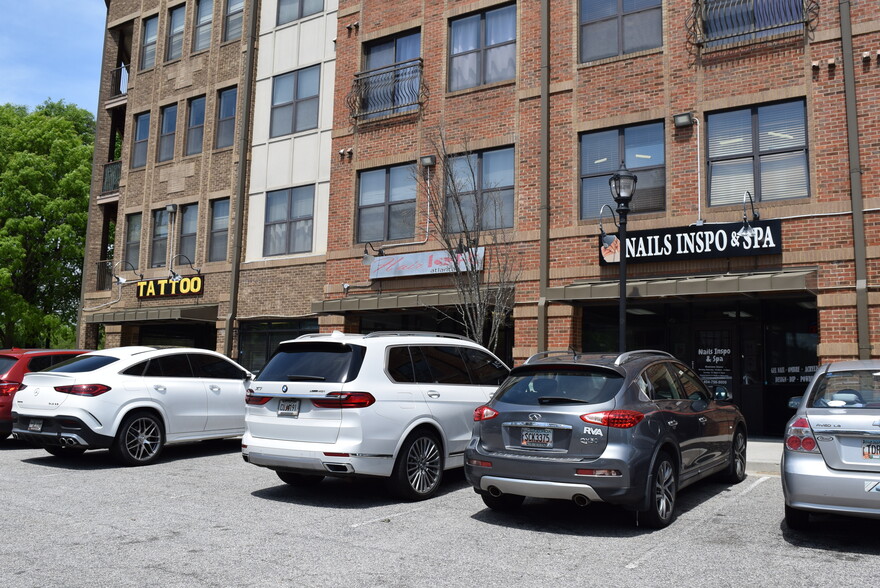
(623, 186)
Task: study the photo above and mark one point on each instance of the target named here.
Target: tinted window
(592, 386)
(137, 369)
(6, 364)
(447, 365)
(169, 366)
(849, 389)
(690, 383)
(485, 370)
(211, 366)
(325, 362)
(44, 361)
(400, 367)
(662, 382)
(83, 363)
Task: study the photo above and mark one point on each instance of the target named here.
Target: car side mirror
(722, 394)
(795, 402)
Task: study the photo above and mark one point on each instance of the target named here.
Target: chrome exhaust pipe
(494, 491)
(580, 500)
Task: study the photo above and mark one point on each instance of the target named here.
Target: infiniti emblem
(534, 416)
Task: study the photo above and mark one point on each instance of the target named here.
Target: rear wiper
(561, 400)
(304, 378)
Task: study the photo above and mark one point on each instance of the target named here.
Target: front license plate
(537, 437)
(288, 407)
(870, 449)
(35, 425)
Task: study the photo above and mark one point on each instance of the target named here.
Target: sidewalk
(763, 455)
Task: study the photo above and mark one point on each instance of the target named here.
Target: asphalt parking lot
(203, 517)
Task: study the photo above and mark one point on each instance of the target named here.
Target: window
(290, 10)
(738, 20)
(195, 126)
(159, 250)
(202, 28)
(616, 27)
(226, 118)
(762, 149)
(167, 132)
(663, 384)
(233, 22)
(141, 140)
(640, 147)
(392, 80)
(148, 45)
(295, 101)
(219, 230)
(211, 366)
(169, 366)
(483, 48)
(479, 190)
(386, 203)
(176, 22)
(189, 224)
(132, 241)
(289, 221)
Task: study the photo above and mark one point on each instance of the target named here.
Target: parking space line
(386, 518)
(754, 485)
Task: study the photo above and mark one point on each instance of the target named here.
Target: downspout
(855, 175)
(244, 140)
(544, 269)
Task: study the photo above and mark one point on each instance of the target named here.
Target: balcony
(112, 172)
(718, 22)
(104, 274)
(390, 90)
(119, 81)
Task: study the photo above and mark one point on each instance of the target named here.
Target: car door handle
(703, 420)
(433, 394)
(673, 423)
(214, 388)
(158, 387)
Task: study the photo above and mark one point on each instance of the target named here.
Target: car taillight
(799, 437)
(484, 413)
(345, 400)
(9, 388)
(618, 419)
(251, 398)
(83, 389)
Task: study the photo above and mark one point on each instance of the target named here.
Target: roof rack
(628, 355)
(416, 334)
(542, 354)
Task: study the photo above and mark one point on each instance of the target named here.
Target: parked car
(132, 400)
(14, 364)
(630, 429)
(831, 457)
(392, 405)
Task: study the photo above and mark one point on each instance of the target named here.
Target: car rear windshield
(313, 361)
(849, 389)
(83, 363)
(6, 363)
(560, 387)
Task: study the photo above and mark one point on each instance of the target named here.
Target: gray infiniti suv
(629, 429)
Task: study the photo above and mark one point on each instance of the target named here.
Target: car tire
(662, 492)
(796, 519)
(736, 470)
(503, 503)
(59, 451)
(301, 480)
(418, 470)
(139, 440)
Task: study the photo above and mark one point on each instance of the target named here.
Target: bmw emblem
(284, 388)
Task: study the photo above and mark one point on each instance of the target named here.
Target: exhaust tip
(494, 491)
(580, 500)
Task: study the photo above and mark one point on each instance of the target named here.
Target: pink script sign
(417, 264)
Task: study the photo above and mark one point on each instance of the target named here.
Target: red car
(14, 364)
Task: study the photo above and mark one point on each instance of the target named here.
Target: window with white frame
(233, 20)
(204, 16)
(176, 24)
(189, 225)
(386, 203)
(761, 149)
(225, 118)
(295, 101)
(132, 240)
(167, 132)
(148, 42)
(482, 48)
(641, 148)
(141, 140)
(480, 190)
(289, 221)
(159, 245)
(195, 126)
(616, 27)
(219, 237)
(291, 10)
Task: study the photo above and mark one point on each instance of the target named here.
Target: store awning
(746, 283)
(206, 313)
(391, 301)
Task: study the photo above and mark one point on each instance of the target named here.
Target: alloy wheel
(423, 465)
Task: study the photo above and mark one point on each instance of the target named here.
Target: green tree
(45, 174)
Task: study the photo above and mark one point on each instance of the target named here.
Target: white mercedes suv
(132, 400)
(392, 405)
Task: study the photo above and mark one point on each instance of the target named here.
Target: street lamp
(623, 186)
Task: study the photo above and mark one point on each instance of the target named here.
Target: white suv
(393, 405)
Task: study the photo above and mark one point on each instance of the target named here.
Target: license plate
(288, 407)
(35, 425)
(870, 449)
(537, 437)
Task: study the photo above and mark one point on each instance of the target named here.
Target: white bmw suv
(392, 405)
(132, 400)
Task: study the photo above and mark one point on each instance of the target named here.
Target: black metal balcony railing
(714, 22)
(104, 274)
(119, 81)
(112, 171)
(394, 89)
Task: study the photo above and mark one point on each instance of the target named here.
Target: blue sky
(51, 49)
